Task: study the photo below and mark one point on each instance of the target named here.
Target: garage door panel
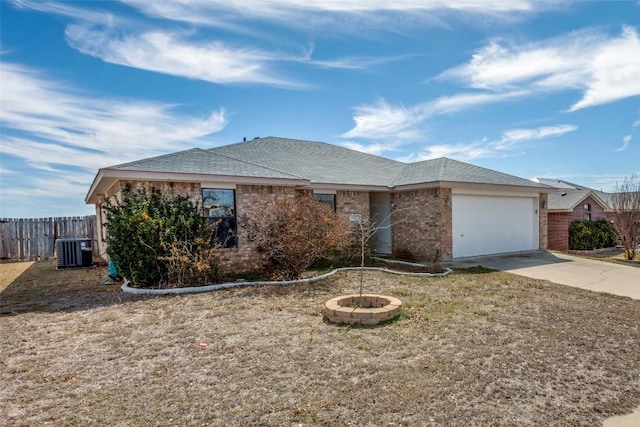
(485, 225)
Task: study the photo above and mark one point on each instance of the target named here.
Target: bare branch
(625, 202)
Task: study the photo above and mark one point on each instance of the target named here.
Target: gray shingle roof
(567, 199)
(571, 195)
(445, 169)
(319, 163)
(198, 161)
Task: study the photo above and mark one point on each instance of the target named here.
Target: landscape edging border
(198, 289)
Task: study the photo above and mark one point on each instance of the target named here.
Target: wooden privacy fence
(29, 239)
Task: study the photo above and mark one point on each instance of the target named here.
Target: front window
(219, 206)
(328, 199)
(587, 212)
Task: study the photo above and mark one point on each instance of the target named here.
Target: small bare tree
(625, 202)
(364, 231)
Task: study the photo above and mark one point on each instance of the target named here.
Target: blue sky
(530, 88)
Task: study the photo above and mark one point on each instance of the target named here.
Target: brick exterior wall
(559, 223)
(244, 257)
(234, 260)
(422, 226)
(423, 223)
(559, 230)
(353, 202)
(543, 221)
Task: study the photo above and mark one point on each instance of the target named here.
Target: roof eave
(474, 186)
(349, 187)
(106, 178)
(552, 210)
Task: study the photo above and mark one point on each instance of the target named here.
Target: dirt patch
(39, 286)
(10, 271)
(472, 349)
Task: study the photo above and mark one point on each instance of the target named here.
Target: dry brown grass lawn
(472, 349)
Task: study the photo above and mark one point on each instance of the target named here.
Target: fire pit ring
(365, 309)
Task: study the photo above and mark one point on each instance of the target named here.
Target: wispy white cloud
(396, 124)
(51, 111)
(142, 44)
(376, 148)
(352, 63)
(176, 54)
(463, 101)
(185, 53)
(300, 13)
(515, 136)
(124, 41)
(614, 72)
(510, 143)
(384, 121)
(603, 68)
(61, 133)
(69, 10)
(625, 143)
(459, 151)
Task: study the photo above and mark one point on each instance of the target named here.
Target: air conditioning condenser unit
(74, 252)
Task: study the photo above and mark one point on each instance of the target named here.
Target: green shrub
(157, 239)
(607, 233)
(589, 235)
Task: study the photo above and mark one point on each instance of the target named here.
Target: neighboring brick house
(569, 203)
(441, 207)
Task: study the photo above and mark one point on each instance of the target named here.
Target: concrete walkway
(597, 276)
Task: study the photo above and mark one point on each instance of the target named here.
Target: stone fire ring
(365, 309)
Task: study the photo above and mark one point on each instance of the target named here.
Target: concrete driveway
(598, 276)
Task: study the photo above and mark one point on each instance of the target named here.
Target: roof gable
(569, 199)
(570, 195)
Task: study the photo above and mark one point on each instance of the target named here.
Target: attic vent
(74, 252)
(563, 194)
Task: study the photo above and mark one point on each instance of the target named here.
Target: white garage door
(484, 225)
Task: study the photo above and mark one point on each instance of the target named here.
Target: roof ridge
(333, 146)
(161, 156)
(495, 171)
(575, 186)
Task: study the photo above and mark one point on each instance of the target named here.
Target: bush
(191, 263)
(156, 239)
(294, 233)
(589, 235)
